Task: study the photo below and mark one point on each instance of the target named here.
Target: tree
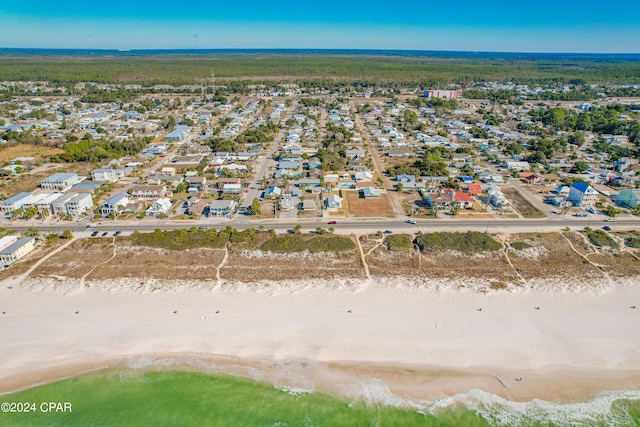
(331, 230)
(611, 211)
(297, 229)
(580, 166)
(255, 208)
(67, 234)
(31, 232)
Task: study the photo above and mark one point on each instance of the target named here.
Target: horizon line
(297, 49)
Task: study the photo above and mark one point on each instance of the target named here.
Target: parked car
(95, 233)
(105, 234)
(606, 228)
(117, 233)
(387, 232)
(332, 223)
(581, 215)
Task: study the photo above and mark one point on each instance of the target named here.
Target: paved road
(396, 206)
(346, 226)
(254, 191)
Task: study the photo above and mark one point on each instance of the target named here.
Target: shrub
(600, 238)
(398, 242)
(520, 245)
(469, 242)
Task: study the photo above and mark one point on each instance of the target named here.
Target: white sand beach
(424, 344)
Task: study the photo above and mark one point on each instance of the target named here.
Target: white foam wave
(495, 409)
(503, 412)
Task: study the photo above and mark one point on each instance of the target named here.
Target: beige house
(17, 250)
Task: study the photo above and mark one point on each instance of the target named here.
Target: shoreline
(414, 345)
(392, 385)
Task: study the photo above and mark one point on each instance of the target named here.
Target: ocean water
(134, 397)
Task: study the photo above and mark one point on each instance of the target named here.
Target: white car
(411, 221)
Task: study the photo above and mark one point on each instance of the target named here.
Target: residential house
(233, 168)
(220, 182)
(197, 182)
(148, 191)
(369, 192)
(496, 197)
(72, 204)
(334, 201)
(582, 194)
(60, 181)
(629, 198)
(168, 171)
(115, 204)
(178, 134)
(531, 178)
(105, 175)
(405, 178)
(17, 250)
(474, 189)
(308, 205)
(79, 203)
(399, 152)
(309, 182)
(232, 188)
(193, 160)
(354, 152)
(7, 241)
(161, 206)
(331, 178)
(363, 176)
(221, 207)
(518, 166)
(16, 202)
(273, 193)
(450, 199)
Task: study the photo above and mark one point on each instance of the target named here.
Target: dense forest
(420, 70)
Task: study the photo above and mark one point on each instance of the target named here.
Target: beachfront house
(582, 194)
(629, 198)
(16, 202)
(221, 207)
(60, 181)
(115, 204)
(17, 250)
(161, 206)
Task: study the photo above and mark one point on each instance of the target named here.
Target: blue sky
(542, 26)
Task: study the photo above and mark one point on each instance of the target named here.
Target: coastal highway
(342, 226)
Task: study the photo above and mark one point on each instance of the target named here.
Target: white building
(16, 202)
(582, 194)
(105, 175)
(159, 207)
(496, 198)
(72, 204)
(221, 207)
(518, 166)
(334, 201)
(115, 204)
(7, 241)
(60, 181)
